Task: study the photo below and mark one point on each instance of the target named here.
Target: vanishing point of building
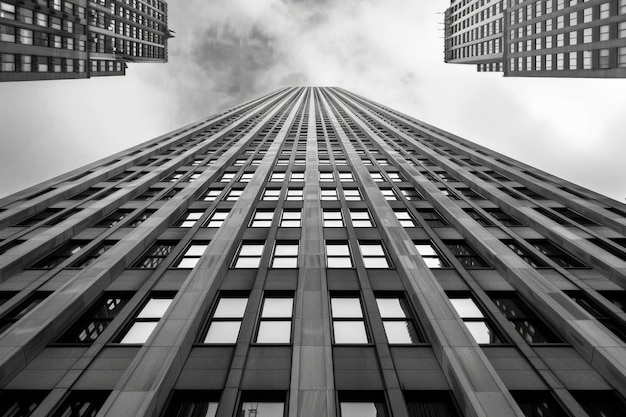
(311, 253)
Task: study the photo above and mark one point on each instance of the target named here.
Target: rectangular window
(277, 177)
(146, 320)
(432, 404)
(297, 177)
(377, 177)
(212, 195)
(82, 404)
(294, 194)
(291, 218)
(327, 177)
(348, 321)
(14, 403)
(217, 218)
(525, 321)
(271, 194)
(432, 217)
(93, 254)
(556, 254)
(141, 218)
(411, 194)
(262, 218)
(430, 256)
(352, 194)
(604, 62)
(275, 322)
(395, 177)
(388, 194)
(59, 255)
(621, 57)
(466, 255)
(361, 218)
(404, 218)
(285, 254)
(605, 10)
(601, 403)
(474, 319)
(604, 32)
(226, 322)
(192, 255)
(249, 255)
(328, 194)
(7, 11)
(598, 313)
(91, 325)
(188, 219)
(155, 255)
(233, 195)
(228, 176)
(246, 177)
(526, 255)
(193, 404)
(346, 177)
(338, 254)
(538, 403)
(269, 404)
(396, 315)
(503, 217)
(332, 218)
(22, 309)
(7, 33)
(373, 254)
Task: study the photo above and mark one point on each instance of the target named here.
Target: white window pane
(194, 215)
(333, 223)
(349, 332)
(274, 332)
(264, 215)
(359, 215)
(188, 263)
(155, 308)
(433, 263)
(251, 250)
(139, 332)
(361, 223)
(390, 307)
(196, 250)
(400, 332)
(285, 263)
(332, 215)
(354, 409)
(291, 215)
(425, 250)
(261, 223)
(286, 250)
(371, 250)
(258, 409)
(248, 263)
(346, 307)
(466, 308)
(339, 262)
(290, 223)
(277, 307)
(231, 307)
(215, 223)
(480, 331)
(337, 250)
(223, 332)
(375, 263)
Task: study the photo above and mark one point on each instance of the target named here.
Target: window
(556, 254)
(189, 218)
(332, 218)
(395, 177)
(430, 256)
(277, 177)
(373, 254)
(95, 320)
(113, 218)
(604, 32)
(192, 255)
(538, 403)
(285, 254)
(348, 322)
(329, 194)
(269, 404)
(217, 218)
(193, 404)
(19, 403)
(396, 315)
(226, 322)
(352, 194)
(404, 218)
(411, 194)
(297, 177)
(474, 319)
(212, 195)
(605, 11)
(294, 194)
(466, 255)
(338, 254)
(141, 218)
(291, 218)
(601, 403)
(146, 320)
(246, 177)
(41, 19)
(377, 177)
(155, 255)
(59, 255)
(228, 176)
(275, 322)
(604, 62)
(7, 11)
(346, 177)
(249, 255)
(388, 194)
(22, 309)
(81, 404)
(233, 195)
(94, 254)
(262, 218)
(525, 321)
(432, 404)
(526, 255)
(362, 405)
(432, 217)
(598, 313)
(361, 218)
(503, 217)
(271, 194)
(327, 177)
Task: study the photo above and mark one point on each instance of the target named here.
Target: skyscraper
(539, 38)
(311, 253)
(61, 39)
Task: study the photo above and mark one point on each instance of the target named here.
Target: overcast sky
(228, 51)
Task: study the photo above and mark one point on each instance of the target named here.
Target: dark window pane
(82, 404)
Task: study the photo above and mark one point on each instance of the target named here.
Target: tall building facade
(61, 39)
(539, 38)
(311, 253)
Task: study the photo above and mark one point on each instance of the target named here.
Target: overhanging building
(61, 39)
(538, 38)
(311, 253)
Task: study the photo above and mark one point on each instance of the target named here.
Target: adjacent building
(311, 253)
(538, 38)
(62, 39)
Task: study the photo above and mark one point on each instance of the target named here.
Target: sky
(226, 52)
